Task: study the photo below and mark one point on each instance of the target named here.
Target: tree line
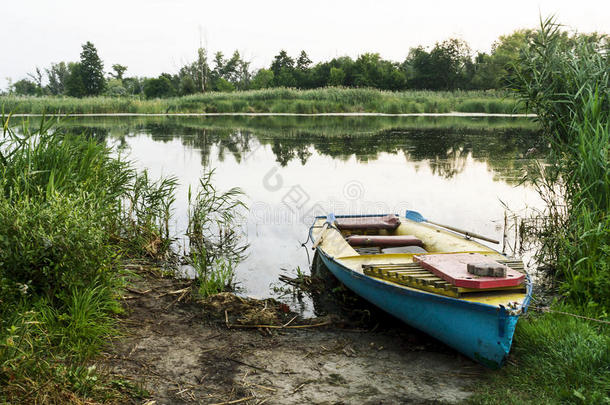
(448, 65)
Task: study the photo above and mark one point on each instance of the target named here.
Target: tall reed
(566, 82)
(216, 244)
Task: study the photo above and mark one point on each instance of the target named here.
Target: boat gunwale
(522, 308)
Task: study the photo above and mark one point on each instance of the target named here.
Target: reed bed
(278, 100)
(568, 87)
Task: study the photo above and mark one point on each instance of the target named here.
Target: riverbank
(178, 349)
(280, 100)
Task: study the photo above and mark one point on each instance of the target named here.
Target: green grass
(279, 100)
(555, 359)
(70, 209)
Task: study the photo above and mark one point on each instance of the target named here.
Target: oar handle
(464, 232)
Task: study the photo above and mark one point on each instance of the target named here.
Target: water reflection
(454, 171)
(444, 144)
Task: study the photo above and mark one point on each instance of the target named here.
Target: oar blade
(414, 216)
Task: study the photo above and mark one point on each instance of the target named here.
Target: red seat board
(384, 240)
(389, 222)
(453, 268)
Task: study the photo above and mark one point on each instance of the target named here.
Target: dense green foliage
(281, 100)
(70, 210)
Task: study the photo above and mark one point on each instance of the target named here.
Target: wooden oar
(417, 217)
(330, 220)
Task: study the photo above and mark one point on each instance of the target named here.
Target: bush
(50, 247)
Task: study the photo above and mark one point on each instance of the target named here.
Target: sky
(155, 36)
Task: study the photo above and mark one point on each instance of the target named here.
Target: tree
(133, 85)
(37, 77)
(446, 67)
(419, 68)
(159, 87)
(505, 54)
(303, 62)
(281, 61)
(25, 87)
(449, 59)
(219, 64)
(283, 70)
(57, 75)
(187, 85)
(262, 79)
(195, 77)
(74, 85)
(92, 70)
(367, 70)
(230, 70)
(337, 75)
(114, 87)
(244, 75)
(224, 85)
(285, 78)
(202, 69)
(486, 72)
(119, 70)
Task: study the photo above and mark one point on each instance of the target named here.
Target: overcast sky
(156, 36)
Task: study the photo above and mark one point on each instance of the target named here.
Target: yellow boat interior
(395, 264)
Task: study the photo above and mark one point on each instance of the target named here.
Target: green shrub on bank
(50, 247)
(67, 210)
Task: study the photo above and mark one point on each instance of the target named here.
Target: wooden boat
(478, 322)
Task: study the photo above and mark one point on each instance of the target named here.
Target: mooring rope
(304, 246)
(547, 309)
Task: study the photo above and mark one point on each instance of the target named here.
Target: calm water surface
(455, 171)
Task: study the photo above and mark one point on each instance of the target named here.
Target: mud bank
(181, 351)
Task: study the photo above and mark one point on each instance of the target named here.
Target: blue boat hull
(482, 332)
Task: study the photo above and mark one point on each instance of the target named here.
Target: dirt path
(183, 352)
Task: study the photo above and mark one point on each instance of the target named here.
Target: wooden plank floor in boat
(414, 276)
